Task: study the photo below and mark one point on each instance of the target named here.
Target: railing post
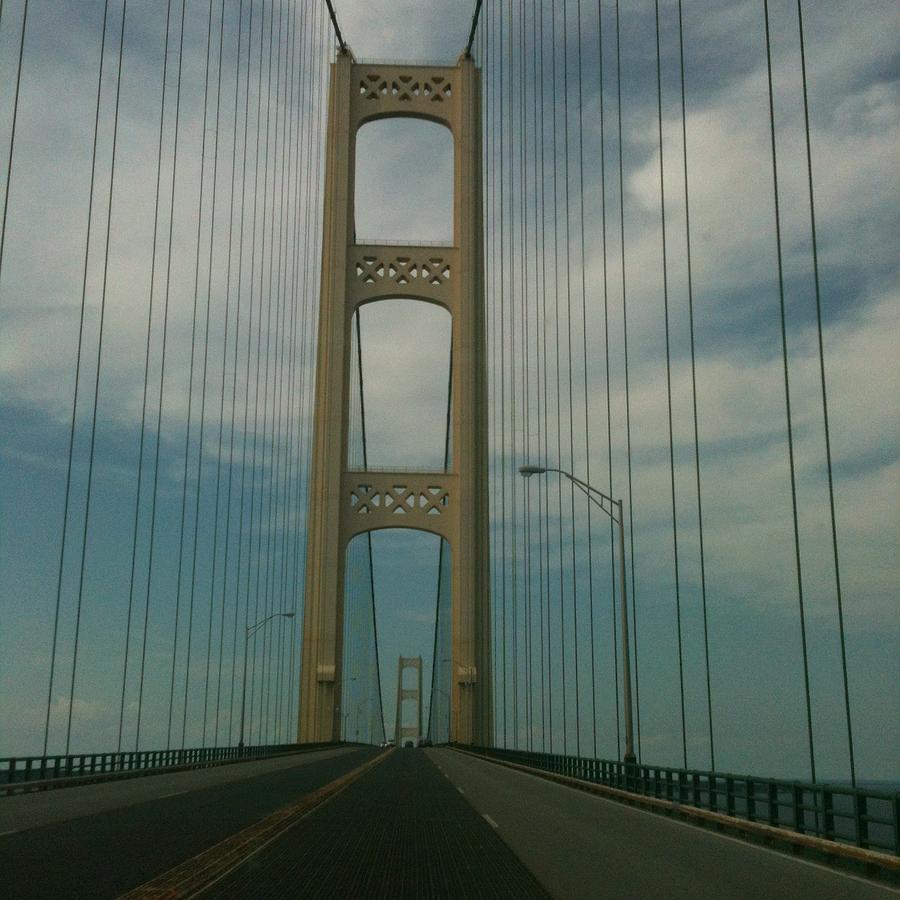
(861, 810)
(799, 817)
(828, 814)
(750, 791)
(773, 804)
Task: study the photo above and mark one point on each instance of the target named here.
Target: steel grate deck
(401, 831)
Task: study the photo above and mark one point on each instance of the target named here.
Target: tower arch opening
(404, 181)
(396, 586)
(404, 390)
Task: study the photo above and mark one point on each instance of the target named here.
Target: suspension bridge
(575, 395)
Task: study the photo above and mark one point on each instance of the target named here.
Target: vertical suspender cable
(562, 612)
(273, 681)
(587, 424)
(627, 382)
(526, 381)
(491, 231)
(302, 194)
(833, 522)
(320, 230)
(268, 228)
(212, 233)
(162, 378)
(437, 605)
(502, 340)
(249, 366)
(289, 243)
(256, 402)
(12, 132)
(305, 124)
(267, 219)
(546, 692)
(541, 316)
(571, 397)
(491, 293)
(690, 285)
(268, 633)
(234, 383)
(223, 385)
(87, 248)
(310, 222)
(140, 466)
(513, 387)
(187, 440)
(787, 397)
(90, 477)
(612, 551)
(665, 277)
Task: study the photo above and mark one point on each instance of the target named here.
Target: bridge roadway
(433, 823)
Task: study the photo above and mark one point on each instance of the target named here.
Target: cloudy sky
(403, 193)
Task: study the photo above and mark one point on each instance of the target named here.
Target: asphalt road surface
(580, 845)
(100, 840)
(421, 823)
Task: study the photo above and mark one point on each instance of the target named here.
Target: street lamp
(251, 630)
(613, 508)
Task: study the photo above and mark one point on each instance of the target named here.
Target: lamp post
(612, 508)
(251, 630)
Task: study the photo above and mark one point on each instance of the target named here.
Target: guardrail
(863, 818)
(16, 772)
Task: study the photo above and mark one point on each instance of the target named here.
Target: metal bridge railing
(864, 818)
(18, 771)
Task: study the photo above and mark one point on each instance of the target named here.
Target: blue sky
(752, 598)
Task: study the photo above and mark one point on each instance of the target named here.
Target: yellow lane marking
(200, 871)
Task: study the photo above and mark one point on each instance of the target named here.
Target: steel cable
(825, 420)
(15, 119)
(162, 377)
(584, 354)
(690, 286)
(665, 279)
(140, 466)
(78, 353)
(93, 438)
(627, 380)
(787, 396)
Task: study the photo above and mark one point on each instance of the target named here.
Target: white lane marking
(174, 794)
(460, 790)
(748, 845)
(5, 833)
(490, 821)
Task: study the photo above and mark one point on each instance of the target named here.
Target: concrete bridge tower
(413, 732)
(343, 502)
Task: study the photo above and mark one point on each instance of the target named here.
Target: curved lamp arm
(251, 629)
(605, 502)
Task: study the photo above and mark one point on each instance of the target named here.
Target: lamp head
(288, 615)
(528, 471)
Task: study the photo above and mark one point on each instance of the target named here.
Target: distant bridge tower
(344, 503)
(401, 732)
